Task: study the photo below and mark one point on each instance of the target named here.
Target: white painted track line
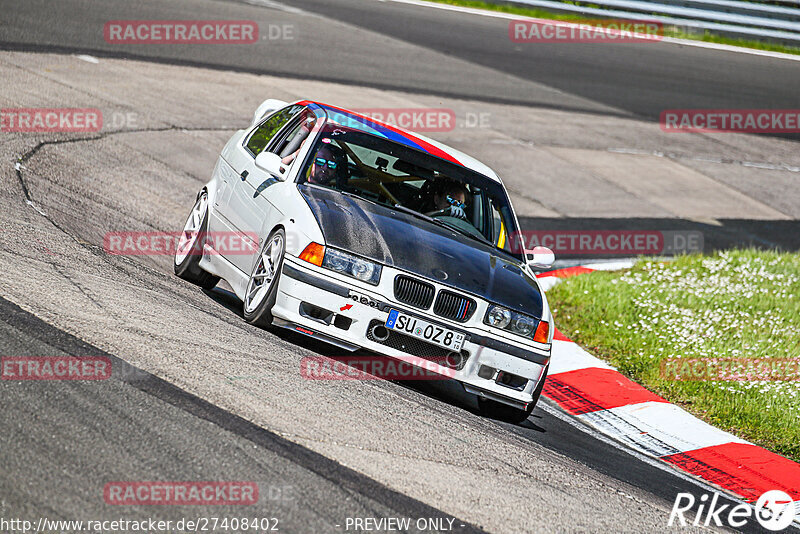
(666, 423)
(568, 356)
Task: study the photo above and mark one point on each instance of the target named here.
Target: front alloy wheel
(262, 289)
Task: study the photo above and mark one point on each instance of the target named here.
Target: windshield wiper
(359, 197)
(397, 207)
(422, 216)
(461, 231)
(441, 223)
(415, 213)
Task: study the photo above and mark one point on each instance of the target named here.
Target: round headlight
(361, 269)
(336, 261)
(499, 317)
(523, 325)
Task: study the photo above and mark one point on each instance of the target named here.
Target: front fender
(295, 217)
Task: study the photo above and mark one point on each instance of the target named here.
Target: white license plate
(419, 328)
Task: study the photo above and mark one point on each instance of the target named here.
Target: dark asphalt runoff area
(63, 441)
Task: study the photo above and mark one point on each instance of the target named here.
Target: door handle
(244, 175)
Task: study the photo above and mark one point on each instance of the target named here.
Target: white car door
(225, 178)
(243, 209)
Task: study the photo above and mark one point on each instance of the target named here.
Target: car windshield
(394, 175)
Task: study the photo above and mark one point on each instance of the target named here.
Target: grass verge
(735, 304)
(669, 31)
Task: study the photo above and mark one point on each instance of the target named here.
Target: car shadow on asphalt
(446, 391)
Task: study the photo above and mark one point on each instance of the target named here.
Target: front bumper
(313, 301)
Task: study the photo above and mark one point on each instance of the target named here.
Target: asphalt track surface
(136, 422)
(62, 442)
(451, 55)
(626, 78)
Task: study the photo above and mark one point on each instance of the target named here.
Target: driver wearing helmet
(450, 199)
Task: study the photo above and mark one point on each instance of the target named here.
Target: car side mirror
(541, 257)
(270, 162)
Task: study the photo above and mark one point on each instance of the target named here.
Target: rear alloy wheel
(189, 251)
(509, 414)
(262, 289)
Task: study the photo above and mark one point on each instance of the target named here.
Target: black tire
(261, 313)
(504, 412)
(188, 266)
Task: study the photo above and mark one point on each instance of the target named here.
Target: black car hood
(409, 243)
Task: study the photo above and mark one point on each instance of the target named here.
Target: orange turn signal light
(542, 331)
(313, 253)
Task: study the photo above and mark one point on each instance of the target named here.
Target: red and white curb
(594, 392)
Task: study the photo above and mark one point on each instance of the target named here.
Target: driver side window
(264, 133)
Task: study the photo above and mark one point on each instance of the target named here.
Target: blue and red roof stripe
(389, 132)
